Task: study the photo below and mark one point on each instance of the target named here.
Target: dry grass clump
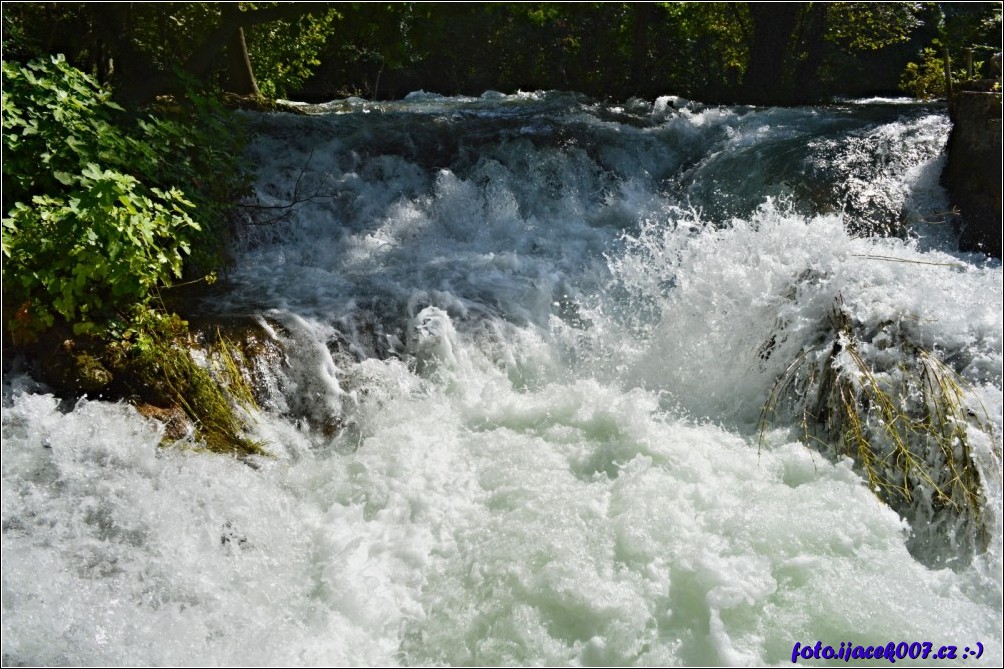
(906, 420)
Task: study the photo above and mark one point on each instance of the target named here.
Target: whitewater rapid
(515, 417)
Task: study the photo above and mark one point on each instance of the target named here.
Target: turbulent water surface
(521, 345)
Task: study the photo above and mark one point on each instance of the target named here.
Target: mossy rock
(71, 365)
(152, 367)
(78, 373)
(243, 344)
(90, 374)
(164, 364)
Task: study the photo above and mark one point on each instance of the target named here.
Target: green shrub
(103, 207)
(196, 145)
(107, 243)
(924, 80)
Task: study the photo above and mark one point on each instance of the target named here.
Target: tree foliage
(925, 80)
(715, 51)
(285, 52)
(136, 46)
(867, 26)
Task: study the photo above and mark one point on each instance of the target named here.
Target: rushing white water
(524, 353)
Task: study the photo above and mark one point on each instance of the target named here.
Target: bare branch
(298, 196)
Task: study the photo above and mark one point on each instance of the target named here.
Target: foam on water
(546, 369)
(773, 279)
(568, 525)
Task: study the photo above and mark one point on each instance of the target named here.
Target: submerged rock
(177, 425)
(908, 421)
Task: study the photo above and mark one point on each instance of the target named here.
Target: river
(523, 345)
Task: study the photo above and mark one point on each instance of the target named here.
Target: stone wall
(973, 172)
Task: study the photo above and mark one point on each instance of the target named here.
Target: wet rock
(71, 365)
(177, 425)
(250, 343)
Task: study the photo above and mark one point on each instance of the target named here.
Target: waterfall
(522, 347)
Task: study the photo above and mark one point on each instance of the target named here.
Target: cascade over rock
(543, 380)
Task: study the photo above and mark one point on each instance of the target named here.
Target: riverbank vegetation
(106, 210)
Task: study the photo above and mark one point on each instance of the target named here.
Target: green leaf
(104, 209)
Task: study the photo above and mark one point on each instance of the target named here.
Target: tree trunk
(766, 80)
(240, 75)
(644, 16)
(812, 38)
